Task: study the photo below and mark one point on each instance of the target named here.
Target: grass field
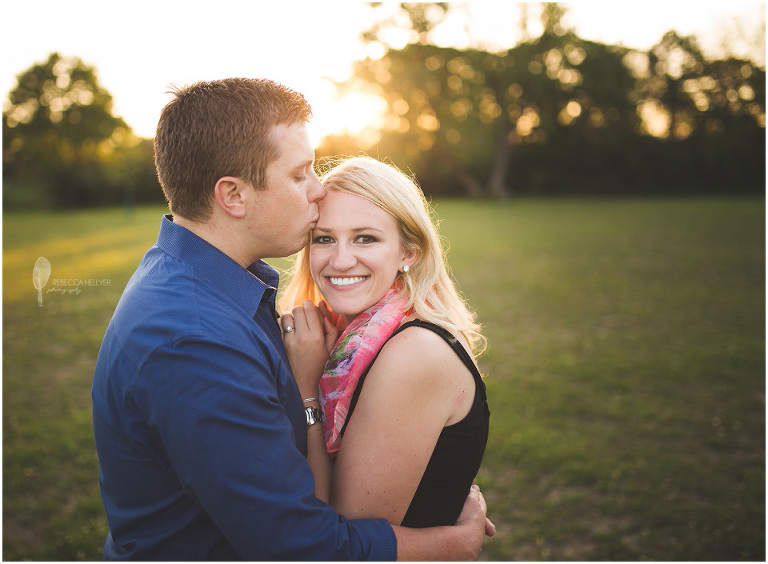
(626, 374)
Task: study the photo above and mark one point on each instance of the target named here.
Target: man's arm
(462, 541)
(217, 413)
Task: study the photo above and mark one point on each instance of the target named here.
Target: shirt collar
(245, 287)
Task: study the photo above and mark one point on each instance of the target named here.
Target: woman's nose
(342, 259)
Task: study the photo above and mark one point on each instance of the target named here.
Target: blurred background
(598, 169)
(477, 99)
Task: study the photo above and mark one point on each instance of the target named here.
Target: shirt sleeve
(215, 422)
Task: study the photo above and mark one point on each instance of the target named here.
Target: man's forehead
(297, 129)
(292, 141)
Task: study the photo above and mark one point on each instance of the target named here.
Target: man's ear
(229, 194)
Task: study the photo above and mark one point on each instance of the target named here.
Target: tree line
(64, 148)
(558, 114)
(553, 115)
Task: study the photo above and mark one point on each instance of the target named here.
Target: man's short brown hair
(216, 129)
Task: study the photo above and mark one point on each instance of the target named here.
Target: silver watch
(314, 415)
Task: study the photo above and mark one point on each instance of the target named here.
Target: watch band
(314, 415)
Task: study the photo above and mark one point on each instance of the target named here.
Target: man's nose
(316, 191)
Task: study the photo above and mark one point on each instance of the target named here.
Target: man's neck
(217, 235)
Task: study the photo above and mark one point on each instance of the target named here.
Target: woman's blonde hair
(428, 287)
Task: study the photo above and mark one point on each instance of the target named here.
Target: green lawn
(626, 374)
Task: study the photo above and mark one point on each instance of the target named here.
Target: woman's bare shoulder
(419, 351)
(418, 342)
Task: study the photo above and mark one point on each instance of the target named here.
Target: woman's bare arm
(416, 386)
(307, 346)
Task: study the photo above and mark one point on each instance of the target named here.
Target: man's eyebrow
(304, 164)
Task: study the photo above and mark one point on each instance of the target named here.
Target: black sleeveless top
(457, 455)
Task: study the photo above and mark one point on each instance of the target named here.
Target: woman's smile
(346, 281)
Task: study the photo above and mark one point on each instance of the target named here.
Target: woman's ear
(229, 194)
(409, 258)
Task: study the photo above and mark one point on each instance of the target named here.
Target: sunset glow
(350, 113)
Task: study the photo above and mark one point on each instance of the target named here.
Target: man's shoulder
(168, 300)
(161, 284)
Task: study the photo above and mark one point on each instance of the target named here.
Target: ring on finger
(288, 329)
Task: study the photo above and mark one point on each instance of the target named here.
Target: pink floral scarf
(354, 351)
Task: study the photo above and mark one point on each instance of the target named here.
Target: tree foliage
(555, 114)
(559, 114)
(62, 145)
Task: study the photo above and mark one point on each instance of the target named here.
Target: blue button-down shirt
(199, 425)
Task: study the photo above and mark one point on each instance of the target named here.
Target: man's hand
(462, 541)
(490, 528)
(474, 524)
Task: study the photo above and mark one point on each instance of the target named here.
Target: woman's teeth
(346, 281)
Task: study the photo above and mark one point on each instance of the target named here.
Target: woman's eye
(321, 240)
(365, 239)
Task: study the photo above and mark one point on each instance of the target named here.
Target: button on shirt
(199, 425)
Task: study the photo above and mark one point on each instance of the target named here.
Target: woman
(404, 406)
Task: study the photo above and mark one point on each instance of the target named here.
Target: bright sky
(142, 46)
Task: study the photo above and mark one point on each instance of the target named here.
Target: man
(199, 425)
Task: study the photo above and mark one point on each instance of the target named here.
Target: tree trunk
(471, 185)
(497, 181)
